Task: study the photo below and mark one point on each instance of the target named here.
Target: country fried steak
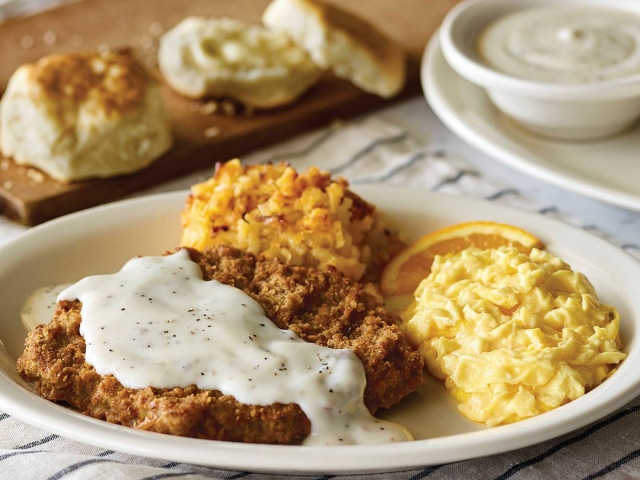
(323, 307)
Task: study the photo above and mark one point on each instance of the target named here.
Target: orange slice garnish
(408, 268)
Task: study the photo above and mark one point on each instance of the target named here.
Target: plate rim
(27, 406)
(502, 153)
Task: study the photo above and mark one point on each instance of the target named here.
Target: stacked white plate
(607, 169)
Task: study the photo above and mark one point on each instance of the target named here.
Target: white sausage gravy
(40, 305)
(157, 323)
(564, 44)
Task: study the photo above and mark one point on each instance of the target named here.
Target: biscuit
(84, 115)
(226, 58)
(351, 47)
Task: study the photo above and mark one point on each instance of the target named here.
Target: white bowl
(567, 111)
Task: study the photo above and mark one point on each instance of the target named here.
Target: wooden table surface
(30, 197)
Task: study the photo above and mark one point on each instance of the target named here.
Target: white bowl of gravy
(568, 69)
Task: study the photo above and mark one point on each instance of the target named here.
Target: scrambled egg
(513, 335)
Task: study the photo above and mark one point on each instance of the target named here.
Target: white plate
(606, 169)
(100, 240)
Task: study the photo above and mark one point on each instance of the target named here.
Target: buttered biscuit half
(227, 58)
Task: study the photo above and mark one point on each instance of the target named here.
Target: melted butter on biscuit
(513, 335)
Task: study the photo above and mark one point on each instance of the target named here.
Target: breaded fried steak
(323, 307)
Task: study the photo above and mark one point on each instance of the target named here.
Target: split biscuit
(226, 58)
(338, 40)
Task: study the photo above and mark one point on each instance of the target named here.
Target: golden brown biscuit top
(116, 81)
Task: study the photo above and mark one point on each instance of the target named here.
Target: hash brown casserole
(304, 218)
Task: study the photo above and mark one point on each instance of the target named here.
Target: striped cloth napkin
(366, 151)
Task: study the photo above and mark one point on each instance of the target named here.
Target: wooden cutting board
(201, 137)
